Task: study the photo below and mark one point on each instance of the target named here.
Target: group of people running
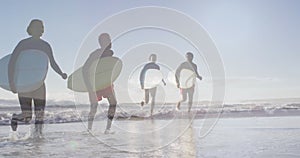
(188, 64)
(38, 96)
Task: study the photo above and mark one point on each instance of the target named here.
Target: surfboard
(30, 70)
(187, 78)
(102, 73)
(152, 78)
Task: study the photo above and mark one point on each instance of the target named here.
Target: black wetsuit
(186, 65)
(148, 66)
(151, 91)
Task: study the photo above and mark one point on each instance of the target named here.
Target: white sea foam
(71, 113)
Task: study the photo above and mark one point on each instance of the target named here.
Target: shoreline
(177, 115)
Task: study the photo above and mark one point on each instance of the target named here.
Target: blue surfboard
(30, 70)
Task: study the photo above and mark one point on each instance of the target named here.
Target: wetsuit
(186, 91)
(151, 91)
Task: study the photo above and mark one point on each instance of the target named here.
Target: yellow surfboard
(103, 72)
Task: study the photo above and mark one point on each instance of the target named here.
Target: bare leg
(184, 96)
(146, 98)
(153, 94)
(39, 107)
(191, 96)
(26, 114)
(111, 111)
(93, 111)
(25, 99)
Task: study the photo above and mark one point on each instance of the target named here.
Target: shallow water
(231, 137)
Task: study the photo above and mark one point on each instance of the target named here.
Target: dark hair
(32, 24)
(152, 55)
(104, 40)
(190, 54)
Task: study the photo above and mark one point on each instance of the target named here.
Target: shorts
(104, 93)
(186, 90)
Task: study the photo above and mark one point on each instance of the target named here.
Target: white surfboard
(30, 70)
(152, 78)
(187, 78)
(102, 73)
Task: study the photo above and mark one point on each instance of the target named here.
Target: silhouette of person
(108, 92)
(188, 64)
(151, 65)
(38, 96)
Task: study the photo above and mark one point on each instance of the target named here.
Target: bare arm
(197, 74)
(164, 82)
(142, 76)
(54, 65)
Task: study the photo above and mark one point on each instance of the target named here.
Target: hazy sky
(258, 40)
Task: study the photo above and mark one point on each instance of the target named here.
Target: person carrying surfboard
(38, 96)
(152, 91)
(108, 92)
(189, 65)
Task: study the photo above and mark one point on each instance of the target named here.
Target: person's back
(188, 64)
(35, 30)
(33, 43)
(152, 91)
(150, 65)
(100, 53)
(108, 92)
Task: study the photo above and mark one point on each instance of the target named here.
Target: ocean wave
(71, 113)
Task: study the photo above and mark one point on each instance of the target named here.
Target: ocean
(237, 130)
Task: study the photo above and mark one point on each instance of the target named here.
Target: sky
(258, 42)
